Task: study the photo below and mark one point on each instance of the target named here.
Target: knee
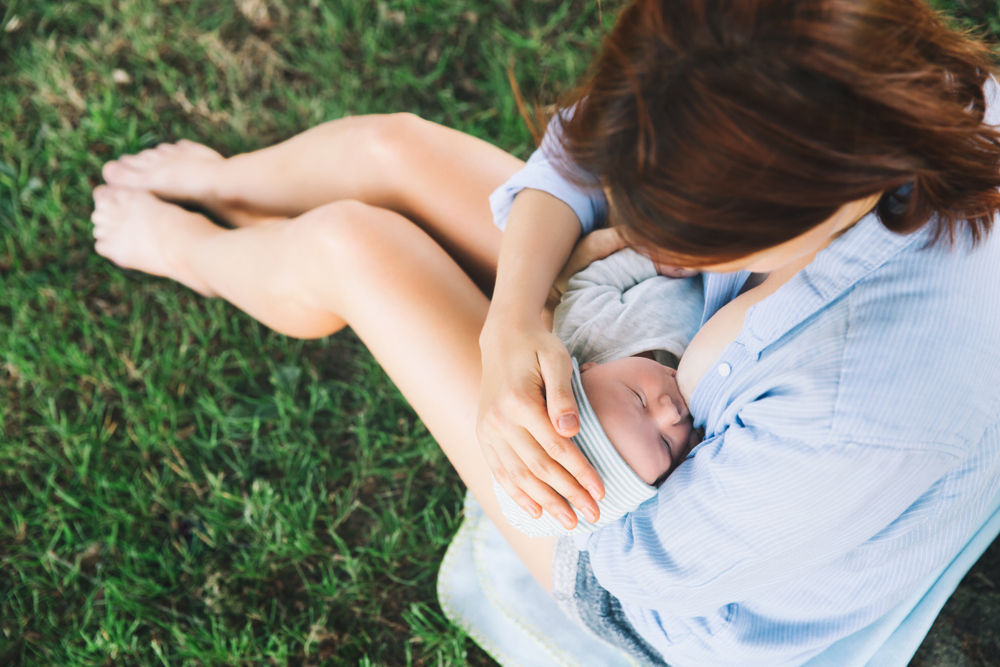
(330, 224)
(392, 139)
(341, 233)
(396, 134)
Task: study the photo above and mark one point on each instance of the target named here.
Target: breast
(708, 344)
(721, 330)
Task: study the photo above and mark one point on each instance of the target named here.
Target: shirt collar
(835, 269)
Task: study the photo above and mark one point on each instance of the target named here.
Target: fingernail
(589, 513)
(565, 520)
(535, 511)
(595, 493)
(567, 422)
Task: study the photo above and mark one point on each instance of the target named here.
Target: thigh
(420, 314)
(445, 178)
(439, 178)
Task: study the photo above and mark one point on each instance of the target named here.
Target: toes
(102, 192)
(100, 220)
(102, 248)
(123, 173)
(198, 149)
(120, 173)
(143, 158)
(109, 197)
(134, 160)
(110, 171)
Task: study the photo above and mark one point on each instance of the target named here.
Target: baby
(625, 327)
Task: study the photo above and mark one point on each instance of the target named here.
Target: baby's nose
(668, 410)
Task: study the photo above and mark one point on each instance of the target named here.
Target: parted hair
(719, 128)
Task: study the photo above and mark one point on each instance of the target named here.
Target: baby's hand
(596, 245)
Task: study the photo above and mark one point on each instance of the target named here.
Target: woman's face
(803, 246)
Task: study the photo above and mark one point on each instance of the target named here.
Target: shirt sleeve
(750, 512)
(540, 173)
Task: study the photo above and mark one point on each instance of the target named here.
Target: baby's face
(641, 410)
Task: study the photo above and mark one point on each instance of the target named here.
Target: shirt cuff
(539, 174)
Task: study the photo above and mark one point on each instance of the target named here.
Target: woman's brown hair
(719, 128)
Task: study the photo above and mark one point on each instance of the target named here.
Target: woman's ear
(587, 366)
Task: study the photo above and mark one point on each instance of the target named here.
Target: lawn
(178, 484)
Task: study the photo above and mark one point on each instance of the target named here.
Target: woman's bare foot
(135, 230)
(184, 172)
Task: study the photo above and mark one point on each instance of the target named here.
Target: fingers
(538, 465)
(535, 481)
(513, 490)
(564, 415)
(557, 369)
(535, 475)
(545, 448)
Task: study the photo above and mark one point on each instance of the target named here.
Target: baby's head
(640, 408)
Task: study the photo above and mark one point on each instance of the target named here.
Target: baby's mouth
(694, 439)
(679, 405)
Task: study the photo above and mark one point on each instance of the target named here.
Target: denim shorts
(590, 606)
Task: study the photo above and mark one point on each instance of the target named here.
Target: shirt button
(725, 370)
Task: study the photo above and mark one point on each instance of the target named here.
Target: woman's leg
(437, 177)
(344, 263)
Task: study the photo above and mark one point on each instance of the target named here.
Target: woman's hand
(526, 415)
(526, 410)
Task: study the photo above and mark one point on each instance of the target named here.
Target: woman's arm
(527, 412)
(753, 511)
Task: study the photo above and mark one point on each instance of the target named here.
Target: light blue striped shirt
(852, 443)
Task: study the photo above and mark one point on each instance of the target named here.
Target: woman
(835, 149)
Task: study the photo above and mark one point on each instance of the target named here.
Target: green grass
(178, 484)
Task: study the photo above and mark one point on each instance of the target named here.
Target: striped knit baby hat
(624, 489)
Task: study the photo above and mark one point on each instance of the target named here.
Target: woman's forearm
(540, 235)
(527, 413)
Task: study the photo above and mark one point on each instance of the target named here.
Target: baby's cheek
(692, 437)
(648, 460)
